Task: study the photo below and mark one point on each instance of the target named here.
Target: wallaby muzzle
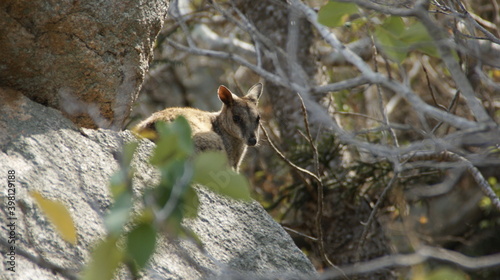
(252, 141)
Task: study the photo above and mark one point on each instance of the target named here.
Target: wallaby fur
(231, 129)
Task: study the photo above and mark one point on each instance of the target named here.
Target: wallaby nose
(252, 141)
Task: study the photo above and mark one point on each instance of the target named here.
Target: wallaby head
(239, 115)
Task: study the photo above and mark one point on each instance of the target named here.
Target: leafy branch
(133, 224)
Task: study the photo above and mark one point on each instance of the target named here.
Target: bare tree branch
(456, 72)
(423, 254)
(202, 33)
(338, 86)
(420, 10)
(320, 188)
(320, 114)
(284, 158)
(375, 209)
(378, 78)
(361, 47)
(476, 174)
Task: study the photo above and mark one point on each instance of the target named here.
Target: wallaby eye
(236, 119)
(258, 119)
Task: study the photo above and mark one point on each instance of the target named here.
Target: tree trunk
(291, 33)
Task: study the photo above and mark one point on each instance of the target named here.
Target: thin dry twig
(423, 254)
(341, 85)
(285, 159)
(431, 90)
(375, 209)
(300, 233)
(315, 177)
(382, 108)
(320, 189)
(476, 174)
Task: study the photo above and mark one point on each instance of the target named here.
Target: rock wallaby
(231, 129)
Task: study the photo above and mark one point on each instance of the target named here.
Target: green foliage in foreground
(132, 234)
(165, 205)
(335, 14)
(395, 37)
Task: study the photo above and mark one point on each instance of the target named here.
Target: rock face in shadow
(86, 58)
(49, 154)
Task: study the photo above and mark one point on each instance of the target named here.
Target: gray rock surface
(86, 58)
(50, 155)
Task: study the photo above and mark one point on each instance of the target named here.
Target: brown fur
(231, 129)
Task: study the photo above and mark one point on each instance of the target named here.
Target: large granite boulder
(86, 58)
(49, 154)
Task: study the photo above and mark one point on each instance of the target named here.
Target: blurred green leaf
(128, 152)
(207, 162)
(394, 25)
(418, 38)
(485, 202)
(166, 149)
(117, 184)
(141, 243)
(415, 33)
(211, 170)
(163, 128)
(172, 225)
(119, 213)
(191, 203)
(122, 178)
(173, 174)
(182, 129)
(492, 181)
(335, 14)
(446, 273)
(388, 35)
(484, 224)
(104, 261)
(396, 40)
(58, 215)
(174, 143)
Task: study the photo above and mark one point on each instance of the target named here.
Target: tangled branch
(422, 255)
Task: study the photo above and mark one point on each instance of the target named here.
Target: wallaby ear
(254, 92)
(225, 95)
